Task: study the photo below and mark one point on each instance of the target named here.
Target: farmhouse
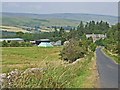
(45, 43)
(96, 36)
(11, 39)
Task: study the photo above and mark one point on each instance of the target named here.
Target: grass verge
(114, 57)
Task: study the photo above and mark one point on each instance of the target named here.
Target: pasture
(13, 29)
(26, 57)
(58, 74)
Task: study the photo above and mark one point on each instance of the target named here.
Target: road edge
(108, 56)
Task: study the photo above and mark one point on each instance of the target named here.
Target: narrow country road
(108, 70)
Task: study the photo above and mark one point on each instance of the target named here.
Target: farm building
(96, 36)
(11, 39)
(45, 43)
(57, 43)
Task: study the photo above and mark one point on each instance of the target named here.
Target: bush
(22, 44)
(14, 44)
(28, 44)
(93, 47)
(72, 51)
(4, 44)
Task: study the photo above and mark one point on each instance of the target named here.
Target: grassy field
(114, 57)
(13, 29)
(16, 29)
(57, 74)
(21, 21)
(22, 58)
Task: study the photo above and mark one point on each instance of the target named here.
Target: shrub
(93, 47)
(4, 44)
(72, 51)
(22, 44)
(25, 44)
(14, 44)
(28, 44)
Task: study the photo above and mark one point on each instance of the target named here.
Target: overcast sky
(103, 8)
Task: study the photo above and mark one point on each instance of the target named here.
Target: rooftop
(11, 39)
(44, 40)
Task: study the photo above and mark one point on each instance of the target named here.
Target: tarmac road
(108, 70)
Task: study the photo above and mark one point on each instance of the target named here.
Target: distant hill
(61, 19)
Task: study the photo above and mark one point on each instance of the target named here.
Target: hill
(60, 19)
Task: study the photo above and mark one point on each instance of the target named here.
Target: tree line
(111, 43)
(79, 45)
(15, 44)
(82, 28)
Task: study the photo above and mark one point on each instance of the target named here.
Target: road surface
(108, 70)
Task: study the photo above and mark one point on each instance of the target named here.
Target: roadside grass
(114, 57)
(56, 73)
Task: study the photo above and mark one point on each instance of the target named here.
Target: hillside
(60, 19)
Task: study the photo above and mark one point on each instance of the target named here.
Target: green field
(57, 75)
(15, 21)
(22, 58)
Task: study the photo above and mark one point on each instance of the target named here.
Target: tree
(93, 47)
(28, 36)
(62, 35)
(56, 33)
(80, 28)
(28, 44)
(86, 28)
(72, 34)
(19, 34)
(72, 51)
(22, 44)
(61, 32)
(14, 44)
(4, 44)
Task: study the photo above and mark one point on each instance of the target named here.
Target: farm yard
(57, 74)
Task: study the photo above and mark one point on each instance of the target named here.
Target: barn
(11, 39)
(45, 43)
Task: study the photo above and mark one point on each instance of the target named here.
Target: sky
(102, 8)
